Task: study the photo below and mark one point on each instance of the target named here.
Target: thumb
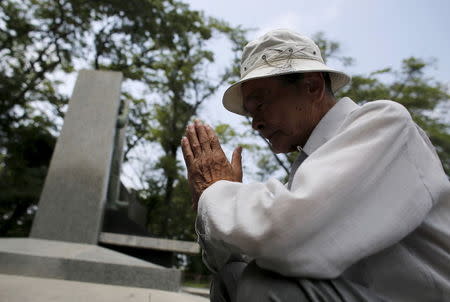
(236, 163)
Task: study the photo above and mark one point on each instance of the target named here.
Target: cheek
(286, 117)
(295, 119)
(296, 123)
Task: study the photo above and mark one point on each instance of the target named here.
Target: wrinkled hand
(206, 163)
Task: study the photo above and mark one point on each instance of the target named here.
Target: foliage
(25, 166)
(185, 84)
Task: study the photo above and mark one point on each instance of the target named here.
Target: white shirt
(371, 204)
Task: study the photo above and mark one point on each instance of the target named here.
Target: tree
(30, 149)
(28, 52)
(187, 84)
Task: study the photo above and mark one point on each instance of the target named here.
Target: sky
(377, 34)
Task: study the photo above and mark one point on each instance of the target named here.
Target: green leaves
(225, 133)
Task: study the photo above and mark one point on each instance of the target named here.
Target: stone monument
(64, 239)
(74, 195)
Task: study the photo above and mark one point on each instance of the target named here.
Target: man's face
(283, 113)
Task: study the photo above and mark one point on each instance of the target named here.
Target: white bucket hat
(276, 53)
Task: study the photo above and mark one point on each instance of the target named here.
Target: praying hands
(205, 160)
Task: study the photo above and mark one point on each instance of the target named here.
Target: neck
(321, 108)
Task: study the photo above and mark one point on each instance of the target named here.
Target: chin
(279, 149)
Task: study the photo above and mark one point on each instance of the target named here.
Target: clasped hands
(205, 160)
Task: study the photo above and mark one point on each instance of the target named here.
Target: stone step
(161, 244)
(82, 262)
(15, 288)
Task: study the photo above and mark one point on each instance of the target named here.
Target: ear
(315, 84)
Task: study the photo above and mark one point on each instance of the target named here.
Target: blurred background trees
(162, 48)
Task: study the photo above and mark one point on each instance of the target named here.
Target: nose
(258, 124)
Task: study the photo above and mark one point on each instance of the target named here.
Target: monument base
(82, 262)
(15, 288)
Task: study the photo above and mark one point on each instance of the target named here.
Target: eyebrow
(256, 92)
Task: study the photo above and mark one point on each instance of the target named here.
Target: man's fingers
(187, 152)
(236, 162)
(213, 139)
(202, 136)
(194, 144)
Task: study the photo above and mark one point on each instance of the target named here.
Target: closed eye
(253, 104)
(259, 106)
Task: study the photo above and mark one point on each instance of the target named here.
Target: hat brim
(232, 98)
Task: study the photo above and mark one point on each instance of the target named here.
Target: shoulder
(380, 113)
(383, 121)
(385, 107)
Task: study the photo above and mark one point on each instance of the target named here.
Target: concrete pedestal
(15, 288)
(82, 262)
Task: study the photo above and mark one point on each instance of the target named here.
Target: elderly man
(365, 215)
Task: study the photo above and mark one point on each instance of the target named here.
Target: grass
(196, 284)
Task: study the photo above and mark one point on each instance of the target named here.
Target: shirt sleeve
(216, 253)
(352, 197)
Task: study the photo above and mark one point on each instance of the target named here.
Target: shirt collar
(329, 124)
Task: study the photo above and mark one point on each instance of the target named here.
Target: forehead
(255, 83)
(258, 87)
(256, 90)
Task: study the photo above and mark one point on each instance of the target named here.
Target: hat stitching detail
(268, 58)
(286, 65)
